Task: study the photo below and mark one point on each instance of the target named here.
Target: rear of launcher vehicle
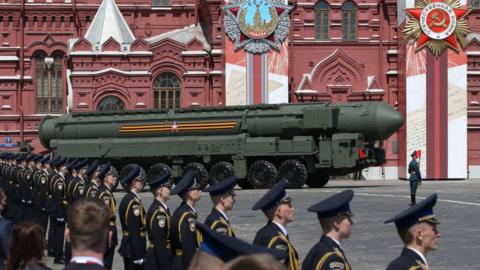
(304, 143)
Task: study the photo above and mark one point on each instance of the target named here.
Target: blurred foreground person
(5, 230)
(417, 227)
(336, 221)
(217, 251)
(88, 233)
(26, 248)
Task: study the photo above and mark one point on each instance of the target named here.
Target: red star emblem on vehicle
(438, 21)
(174, 126)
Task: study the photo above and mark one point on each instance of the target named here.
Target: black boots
(412, 199)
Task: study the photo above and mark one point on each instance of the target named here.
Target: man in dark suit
(88, 234)
(159, 253)
(185, 239)
(279, 210)
(336, 221)
(417, 227)
(132, 219)
(223, 198)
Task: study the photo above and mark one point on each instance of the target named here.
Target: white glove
(60, 219)
(138, 262)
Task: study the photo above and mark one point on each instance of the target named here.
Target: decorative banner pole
(436, 87)
(257, 26)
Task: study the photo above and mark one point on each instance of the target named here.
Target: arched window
(349, 21)
(49, 83)
(110, 103)
(321, 20)
(166, 91)
(159, 3)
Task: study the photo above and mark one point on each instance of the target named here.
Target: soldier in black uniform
(185, 239)
(159, 253)
(279, 210)
(336, 221)
(223, 198)
(94, 182)
(132, 219)
(76, 189)
(20, 187)
(417, 227)
(10, 212)
(49, 205)
(28, 188)
(37, 171)
(59, 210)
(41, 192)
(109, 176)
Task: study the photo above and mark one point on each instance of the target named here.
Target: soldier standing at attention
(94, 183)
(185, 239)
(223, 198)
(417, 227)
(109, 176)
(336, 221)
(59, 210)
(415, 176)
(42, 192)
(279, 210)
(132, 218)
(75, 191)
(159, 253)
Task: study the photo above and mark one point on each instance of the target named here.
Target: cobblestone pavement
(373, 244)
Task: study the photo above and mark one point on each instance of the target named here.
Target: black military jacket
(92, 190)
(408, 260)
(59, 199)
(217, 222)
(76, 189)
(159, 254)
(106, 195)
(41, 192)
(132, 219)
(185, 238)
(271, 236)
(326, 255)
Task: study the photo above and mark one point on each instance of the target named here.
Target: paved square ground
(373, 244)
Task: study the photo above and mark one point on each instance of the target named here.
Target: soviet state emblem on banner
(438, 25)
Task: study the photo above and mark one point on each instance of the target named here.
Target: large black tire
(126, 170)
(220, 171)
(294, 172)
(200, 172)
(262, 174)
(157, 170)
(318, 179)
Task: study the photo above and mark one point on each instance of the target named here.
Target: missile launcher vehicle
(259, 144)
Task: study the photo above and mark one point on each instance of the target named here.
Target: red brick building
(82, 55)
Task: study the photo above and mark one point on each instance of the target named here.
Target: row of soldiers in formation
(40, 188)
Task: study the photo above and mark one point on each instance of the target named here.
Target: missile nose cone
(389, 120)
